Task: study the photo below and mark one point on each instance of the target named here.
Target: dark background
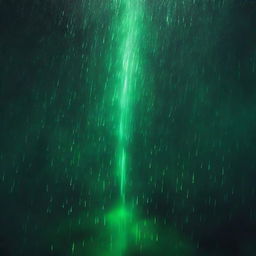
(194, 143)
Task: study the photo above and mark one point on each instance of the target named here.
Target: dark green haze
(128, 127)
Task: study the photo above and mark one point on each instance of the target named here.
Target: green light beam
(129, 32)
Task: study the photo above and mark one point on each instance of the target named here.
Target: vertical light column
(126, 33)
(129, 33)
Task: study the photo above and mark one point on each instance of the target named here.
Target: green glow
(117, 220)
(128, 32)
